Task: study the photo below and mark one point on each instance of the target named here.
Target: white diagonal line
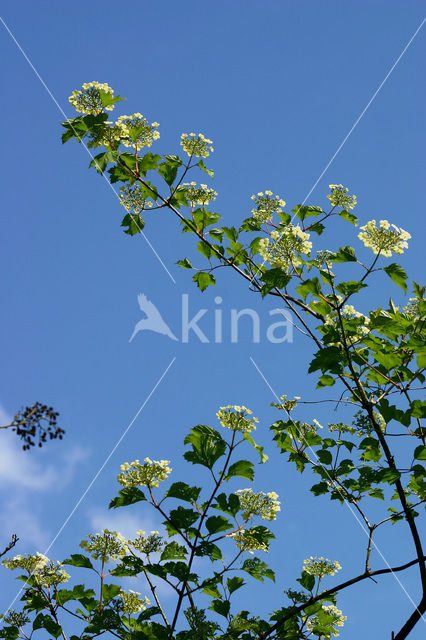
(363, 112)
(99, 471)
(82, 142)
(355, 124)
(355, 515)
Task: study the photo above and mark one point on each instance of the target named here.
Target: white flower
(384, 239)
(321, 567)
(287, 246)
(265, 505)
(339, 197)
(88, 99)
(197, 146)
(266, 206)
(151, 473)
(236, 418)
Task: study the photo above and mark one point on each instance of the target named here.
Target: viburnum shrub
(375, 359)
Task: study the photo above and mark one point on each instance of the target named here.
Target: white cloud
(23, 476)
(126, 523)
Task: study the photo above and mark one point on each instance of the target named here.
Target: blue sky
(277, 86)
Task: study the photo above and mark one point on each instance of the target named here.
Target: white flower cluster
(136, 125)
(287, 245)
(411, 309)
(320, 567)
(354, 333)
(246, 540)
(236, 418)
(149, 474)
(339, 197)
(105, 545)
(133, 198)
(28, 562)
(15, 618)
(384, 239)
(88, 100)
(44, 572)
(266, 205)
(197, 146)
(341, 428)
(265, 505)
(201, 194)
(51, 574)
(132, 603)
(286, 405)
(151, 543)
(338, 619)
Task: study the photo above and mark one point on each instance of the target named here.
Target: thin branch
(336, 589)
(14, 539)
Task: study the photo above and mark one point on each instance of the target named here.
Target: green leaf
(119, 174)
(242, 468)
(79, 592)
(134, 223)
(327, 359)
(148, 162)
(129, 566)
(231, 233)
(307, 580)
(221, 607)
(214, 524)
(78, 560)
(185, 263)
(234, 583)
(204, 218)
(324, 456)
(377, 493)
(325, 381)
(371, 448)
(168, 170)
(388, 475)
(226, 504)
(210, 588)
(207, 446)
(126, 496)
(304, 211)
(258, 569)
(251, 224)
(397, 274)
(319, 489)
(257, 447)
(203, 280)
(418, 409)
(202, 166)
(418, 290)
(173, 551)
(309, 286)
(9, 633)
(109, 591)
(183, 491)
(204, 249)
(350, 217)
(107, 99)
(100, 162)
(317, 227)
(420, 452)
(345, 254)
(44, 621)
(182, 518)
(274, 278)
(350, 287)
